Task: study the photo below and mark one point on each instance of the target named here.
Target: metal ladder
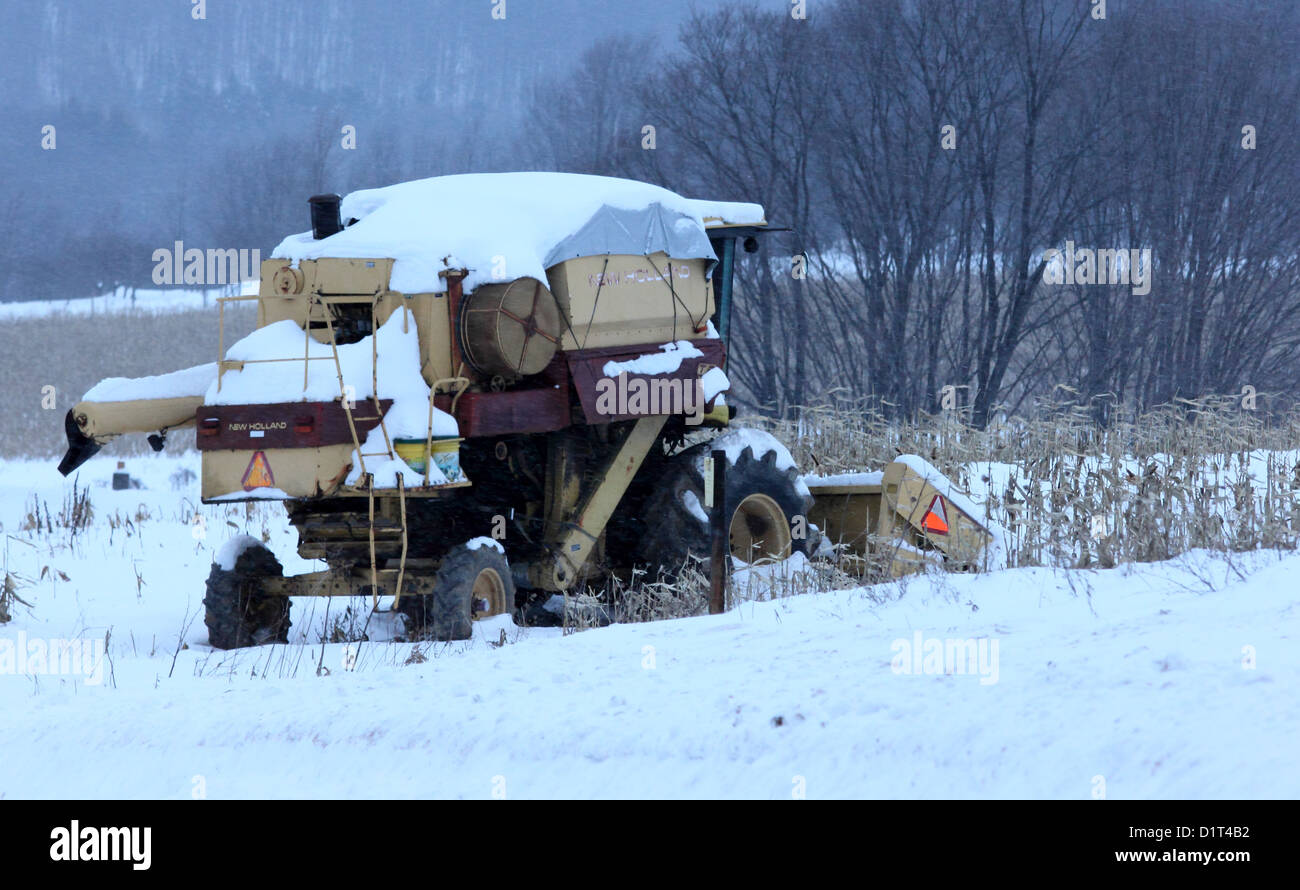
(390, 452)
(324, 302)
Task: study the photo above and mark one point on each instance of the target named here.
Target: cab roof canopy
(512, 225)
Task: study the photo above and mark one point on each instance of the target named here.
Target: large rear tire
(236, 612)
(472, 583)
(766, 506)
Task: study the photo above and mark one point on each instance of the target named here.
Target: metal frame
(366, 484)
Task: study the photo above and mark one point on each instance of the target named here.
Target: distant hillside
(216, 130)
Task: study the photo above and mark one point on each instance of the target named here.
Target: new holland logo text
(258, 425)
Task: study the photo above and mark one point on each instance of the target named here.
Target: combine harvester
(474, 392)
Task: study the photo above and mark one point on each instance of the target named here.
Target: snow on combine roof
(528, 221)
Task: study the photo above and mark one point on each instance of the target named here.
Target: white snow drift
(1161, 680)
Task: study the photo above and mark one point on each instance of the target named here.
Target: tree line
(927, 156)
(930, 154)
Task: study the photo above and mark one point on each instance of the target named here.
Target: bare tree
(738, 116)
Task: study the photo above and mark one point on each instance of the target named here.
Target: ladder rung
(358, 529)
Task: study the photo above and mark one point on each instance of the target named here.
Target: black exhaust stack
(325, 219)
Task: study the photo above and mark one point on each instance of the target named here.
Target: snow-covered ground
(1175, 679)
(124, 301)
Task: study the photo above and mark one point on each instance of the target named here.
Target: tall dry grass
(72, 353)
(1204, 474)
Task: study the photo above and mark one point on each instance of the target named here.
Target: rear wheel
(765, 505)
(236, 612)
(471, 584)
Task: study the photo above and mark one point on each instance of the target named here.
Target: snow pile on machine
(388, 368)
(499, 227)
(186, 382)
(503, 226)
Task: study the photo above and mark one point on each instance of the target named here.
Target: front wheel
(473, 582)
(236, 611)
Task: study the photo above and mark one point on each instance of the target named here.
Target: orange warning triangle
(936, 518)
(258, 474)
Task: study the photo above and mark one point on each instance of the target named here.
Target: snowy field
(1174, 679)
(125, 301)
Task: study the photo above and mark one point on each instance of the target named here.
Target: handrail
(428, 436)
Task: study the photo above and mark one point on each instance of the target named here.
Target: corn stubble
(1196, 475)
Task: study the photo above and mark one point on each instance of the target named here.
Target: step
(383, 528)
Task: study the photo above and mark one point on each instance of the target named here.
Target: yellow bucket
(446, 455)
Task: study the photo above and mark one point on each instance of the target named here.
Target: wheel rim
(759, 531)
(488, 595)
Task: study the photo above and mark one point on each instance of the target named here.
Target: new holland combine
(473, 392)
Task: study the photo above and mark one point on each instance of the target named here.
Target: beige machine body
(898, 524)
(496, 335)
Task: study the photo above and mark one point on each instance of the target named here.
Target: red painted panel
(282, 425)
(510, 412)
(587, 367)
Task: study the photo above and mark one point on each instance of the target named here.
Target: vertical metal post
(718, 529)
(722, 285)
(455, 293)
(221, 338)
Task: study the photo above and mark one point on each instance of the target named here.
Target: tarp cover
(637, 232)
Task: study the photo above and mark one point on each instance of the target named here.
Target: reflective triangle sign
(258, 474)
(935, 520)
